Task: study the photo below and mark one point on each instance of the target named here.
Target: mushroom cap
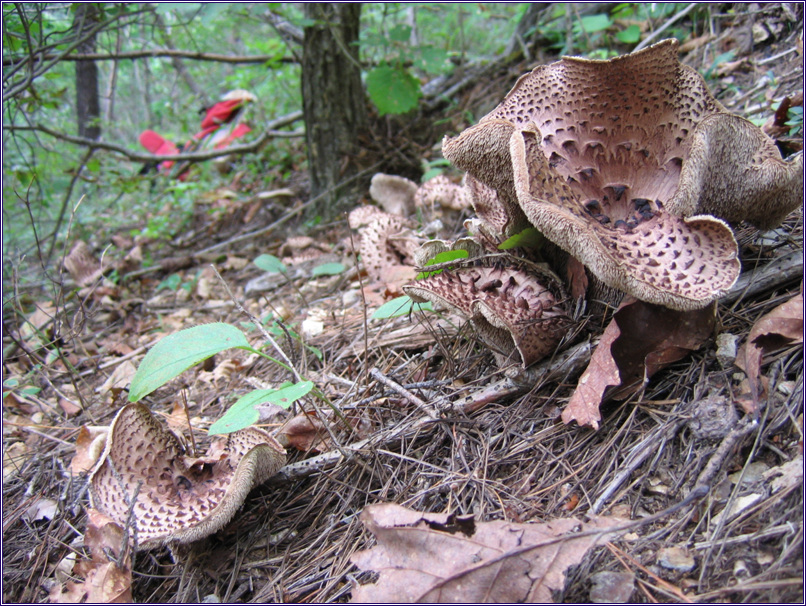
(386, 242)
(180, 499)
(443, 192)
(629, 165)
(512, 309)
(394, 194)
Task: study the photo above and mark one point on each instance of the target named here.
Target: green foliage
(270, 263)
(399, 306)
(174, 354)
(445, 256)
(245, 410)
(393, 90)
(328, 269)
(528, 238)
(795, 120)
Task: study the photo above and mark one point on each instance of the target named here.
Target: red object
(221, 113)
(237, 132)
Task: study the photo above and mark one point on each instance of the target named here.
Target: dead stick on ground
(426, 408)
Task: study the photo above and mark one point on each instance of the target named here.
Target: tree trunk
(88, 106)
(334, 104)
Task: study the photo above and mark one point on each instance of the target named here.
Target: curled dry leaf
(82, 265)
(441, 558)
(640, 340)
(180, 498)
(305, 432)
(107, 576)
(781, 327)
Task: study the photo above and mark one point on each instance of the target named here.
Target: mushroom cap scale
(179, 499)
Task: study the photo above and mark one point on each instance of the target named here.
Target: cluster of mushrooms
(629, 169)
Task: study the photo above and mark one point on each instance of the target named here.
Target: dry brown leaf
(90, 443)
(121, 377)
(108, 576)
(447, 558)
(781, 327)
(305, 432)
(641, 339)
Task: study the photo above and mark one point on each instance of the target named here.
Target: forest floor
(501, 458)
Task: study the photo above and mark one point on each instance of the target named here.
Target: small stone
(612, 587)
(726, 349)
(676, 558)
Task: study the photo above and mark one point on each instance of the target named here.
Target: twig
(429, 410)
(259, 326)
(674, 19)
(784, 269)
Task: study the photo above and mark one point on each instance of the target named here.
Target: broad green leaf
(172, 283)
(399, 307)
(328, 269)
(433, 60)
(245, 411)
(400, 33)
(174, 354)
(443, 257)
(270, 263)
(392, 90)
(528, 238)
(594, 23)
(630, 35)
(431, 173)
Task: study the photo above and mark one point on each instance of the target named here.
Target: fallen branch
(153, 53)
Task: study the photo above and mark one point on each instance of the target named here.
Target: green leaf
(528, 238)
(392, 90)
(245, 411)
(630, 35)
(400, 306)
(270, 263)
(172, 282)
(174, 354)
(593, 23)
(443, 257)
(433, 60)
(400, 33)
(328, 269)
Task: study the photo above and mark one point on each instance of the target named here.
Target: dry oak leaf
(306, 432)
(781, 327)
(633, 167)
(180, 498)
(641, 339)
(442, 558)
(106, 580)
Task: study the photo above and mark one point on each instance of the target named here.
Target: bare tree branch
(156, 52)
(267, 134)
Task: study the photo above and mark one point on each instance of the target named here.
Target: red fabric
(238, 132)
(157, 144)
(221, 113)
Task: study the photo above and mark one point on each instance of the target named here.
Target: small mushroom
(668, 165)
(441, 191)
(175, 498)
(386, 246)
(513, 309)
(396, 195)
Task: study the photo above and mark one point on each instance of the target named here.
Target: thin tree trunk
(334, 103)
(179, 65)
(88, 107)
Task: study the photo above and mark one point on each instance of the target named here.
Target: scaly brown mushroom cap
(441, 191)
(180, 499)
(386, 243)
(511, 309)
(596, 153)
(394, 194)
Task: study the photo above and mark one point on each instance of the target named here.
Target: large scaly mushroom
(631, 165)
(173, 497)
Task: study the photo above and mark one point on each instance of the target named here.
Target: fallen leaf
(305, 432)
(781, 327)
(120, 377)
(447, 558)
(577, 278)
(90, 443)
(786, 476)
(108, 575)
(14, 457)
(641, 339)
(609, 587)
(41, 509)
